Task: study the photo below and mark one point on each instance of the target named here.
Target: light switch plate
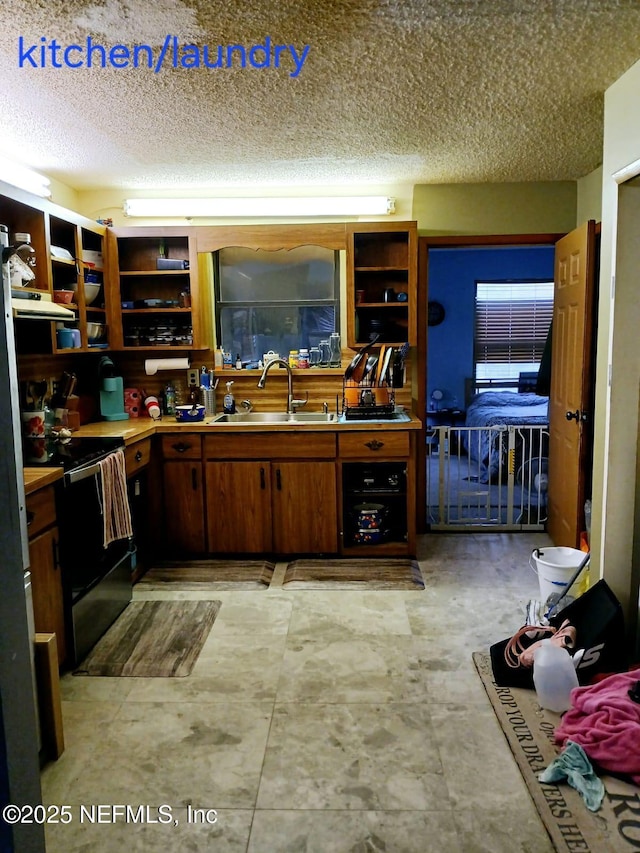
(193, 377)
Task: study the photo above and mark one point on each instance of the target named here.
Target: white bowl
(91, 290)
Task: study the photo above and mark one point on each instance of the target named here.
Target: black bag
(599, 622)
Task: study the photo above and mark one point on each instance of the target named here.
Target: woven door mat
(528, 728)
(353, 574)
(153, 639)
(201, 575)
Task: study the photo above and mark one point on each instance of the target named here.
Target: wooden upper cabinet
(382, 264)
(69, 250)
(153, 286)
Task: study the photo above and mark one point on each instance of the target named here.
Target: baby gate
(487, 477)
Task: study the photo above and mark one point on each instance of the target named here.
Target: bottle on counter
(170, 399)
(229, 404)
(293, 358)
(218, 359)
(238, 362)
(303, 359)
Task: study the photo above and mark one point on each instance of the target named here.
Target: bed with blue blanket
(501, 409)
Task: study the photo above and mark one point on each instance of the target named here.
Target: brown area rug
(354, 574)
(153, 639)
(528, 728)
(201, 575)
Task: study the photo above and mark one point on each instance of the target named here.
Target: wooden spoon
(383, 352)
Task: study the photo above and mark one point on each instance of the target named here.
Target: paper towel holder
(153, 365)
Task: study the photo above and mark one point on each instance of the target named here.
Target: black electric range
(70, 454)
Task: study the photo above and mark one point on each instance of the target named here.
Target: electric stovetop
(67, 453)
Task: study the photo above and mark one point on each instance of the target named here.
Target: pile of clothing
(604, 719)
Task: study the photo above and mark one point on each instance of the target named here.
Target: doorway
(462, 249)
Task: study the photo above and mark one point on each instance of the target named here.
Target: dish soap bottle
(229, 405)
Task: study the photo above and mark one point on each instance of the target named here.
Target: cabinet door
(239, 507)
(46, 586)
(304, 507)
(184, 507)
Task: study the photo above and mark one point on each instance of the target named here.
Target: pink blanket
(606, 724)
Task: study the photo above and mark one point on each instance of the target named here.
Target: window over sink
(277, 301)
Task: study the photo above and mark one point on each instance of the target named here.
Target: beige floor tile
(317, 721)
(495, 829)
(353, 832)
(368, 669)
(348, 613)
(206, 754)
(373, 757)
(478, 766)
(185, 830)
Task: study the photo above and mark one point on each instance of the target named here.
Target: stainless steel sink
(275, 418)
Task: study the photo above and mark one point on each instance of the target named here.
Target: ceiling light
(261, 207)
(24, 178)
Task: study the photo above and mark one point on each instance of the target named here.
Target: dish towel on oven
(116, 513)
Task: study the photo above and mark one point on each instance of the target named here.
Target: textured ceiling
(388, 91)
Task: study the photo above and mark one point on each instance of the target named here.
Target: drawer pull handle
(181, 447)
(263, 483)
(194, 479)
(278, 480)
(138, 455)
(30, 517)
(374, 445)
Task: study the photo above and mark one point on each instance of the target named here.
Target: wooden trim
(49, 702)
(211, 238)
(467, 241)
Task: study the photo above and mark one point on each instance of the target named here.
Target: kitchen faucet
(292, 403)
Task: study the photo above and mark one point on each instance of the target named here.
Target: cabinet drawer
(137, 456)
(271, 445)
(41, 510)
(181, 446)
(370, 444)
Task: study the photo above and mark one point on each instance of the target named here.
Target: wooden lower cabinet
(184, 507)
(262, 506)
(46, 585)
(304, 507)
(239, 503)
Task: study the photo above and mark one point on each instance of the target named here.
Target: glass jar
(325, 350)
(335, 350)
(314, 356)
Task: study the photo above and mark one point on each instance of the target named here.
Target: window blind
(512, 320)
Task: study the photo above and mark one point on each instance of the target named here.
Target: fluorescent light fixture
(261, 207)
(24, 178)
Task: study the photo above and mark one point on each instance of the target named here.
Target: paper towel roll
(153, 365)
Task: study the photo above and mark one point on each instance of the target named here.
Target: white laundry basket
(555, 567)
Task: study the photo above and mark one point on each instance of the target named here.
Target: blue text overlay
(50, 53)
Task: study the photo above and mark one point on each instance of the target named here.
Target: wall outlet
(193, 377)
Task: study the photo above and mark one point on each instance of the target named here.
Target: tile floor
(323, 722)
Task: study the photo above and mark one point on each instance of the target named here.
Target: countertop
(38, 478)
(136, 429)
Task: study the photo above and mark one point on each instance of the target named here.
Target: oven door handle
(82, 473)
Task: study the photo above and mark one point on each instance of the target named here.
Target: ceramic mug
(33, 424)
(65, 338)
